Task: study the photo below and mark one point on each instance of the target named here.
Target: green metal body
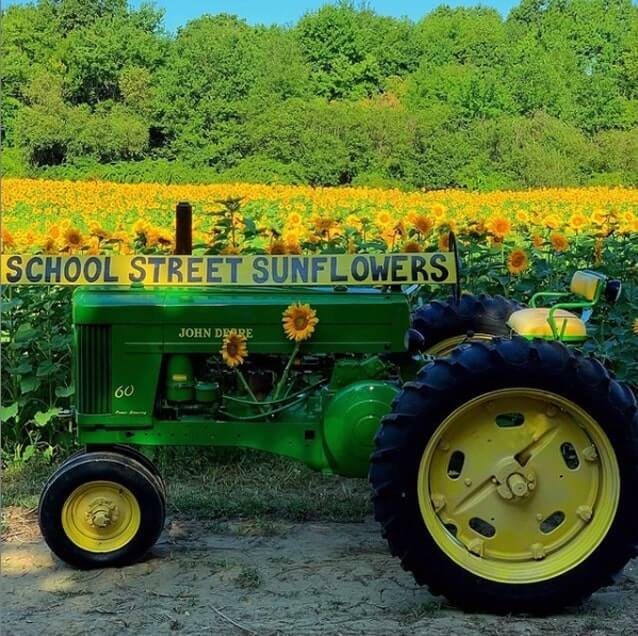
(136, 355)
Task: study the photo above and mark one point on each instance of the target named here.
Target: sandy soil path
(311, 578)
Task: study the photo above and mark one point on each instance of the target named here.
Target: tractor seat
(534, 323)
(556, 322)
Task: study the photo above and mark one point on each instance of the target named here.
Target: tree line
(464, 97)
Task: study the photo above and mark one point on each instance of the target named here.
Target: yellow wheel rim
(101, 516)
(518, 485)
(445, 346)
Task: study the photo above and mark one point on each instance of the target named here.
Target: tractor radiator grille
(93, 377)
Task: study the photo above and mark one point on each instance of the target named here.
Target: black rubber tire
(134, 453)
(129, 451)
(439, 320)
(93, 466)
(441, 387)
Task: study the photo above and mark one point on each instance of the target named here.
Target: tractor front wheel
(101, 509)
(130, 451)
(504, 478)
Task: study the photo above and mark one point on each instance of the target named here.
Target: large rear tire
(505, 475)
(444, 324)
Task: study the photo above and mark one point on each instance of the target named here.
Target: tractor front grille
(93, 370)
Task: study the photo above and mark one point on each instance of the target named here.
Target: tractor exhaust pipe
(183, 228)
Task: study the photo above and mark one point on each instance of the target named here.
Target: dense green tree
(463, 97)
(203, 87)
(351, 51)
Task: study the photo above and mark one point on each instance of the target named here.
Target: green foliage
(35, 367)
(461, 98)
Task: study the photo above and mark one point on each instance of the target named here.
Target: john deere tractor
(503, 467)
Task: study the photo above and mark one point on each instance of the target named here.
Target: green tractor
(503, 467)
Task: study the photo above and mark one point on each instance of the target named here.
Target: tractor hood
(195, 319)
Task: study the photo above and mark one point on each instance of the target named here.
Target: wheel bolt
(438, 501)
(590, 453)
(517, 484)
(585, 513)
(101, 518)
(476, 546)
(538, 551)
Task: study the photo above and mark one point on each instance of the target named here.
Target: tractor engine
(148, 363)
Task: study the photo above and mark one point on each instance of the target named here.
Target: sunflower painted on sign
(234, 350)
(299, 322)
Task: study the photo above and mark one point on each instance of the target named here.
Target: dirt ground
(266, 578)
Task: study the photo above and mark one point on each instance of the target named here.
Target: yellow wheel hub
(445, 346)
(101, 516)
(518, 485)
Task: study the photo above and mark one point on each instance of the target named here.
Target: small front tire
(101, 509)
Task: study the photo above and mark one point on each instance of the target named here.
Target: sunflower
(73, 238)
(538, 241)
(522, 217)
(98, 231)
(294, 218)
(517, 261)
(120, 236)
(49, 245)
(234, 349)
(93, 245)
(399, 229)
(277, 247)
(323, 225)
(444, 242)
(141, 227)
(476, 229)
(293, 247)
(599, 217)
(635, 326)
(8, 241)
(423, 224)
(384, 218)
(299, 321)
(552, 222)
(438, 210)
(559, 241)
(577, 221)
(501, 227)
(165, 238)
(152, 236)
(411, 246)
(352, 220)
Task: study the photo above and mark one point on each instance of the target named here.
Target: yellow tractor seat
(534, 323)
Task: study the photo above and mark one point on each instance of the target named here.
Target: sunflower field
(513, 243)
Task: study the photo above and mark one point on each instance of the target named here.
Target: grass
(249, 578)
(428, 609)
(225, 484)
(23, 481)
